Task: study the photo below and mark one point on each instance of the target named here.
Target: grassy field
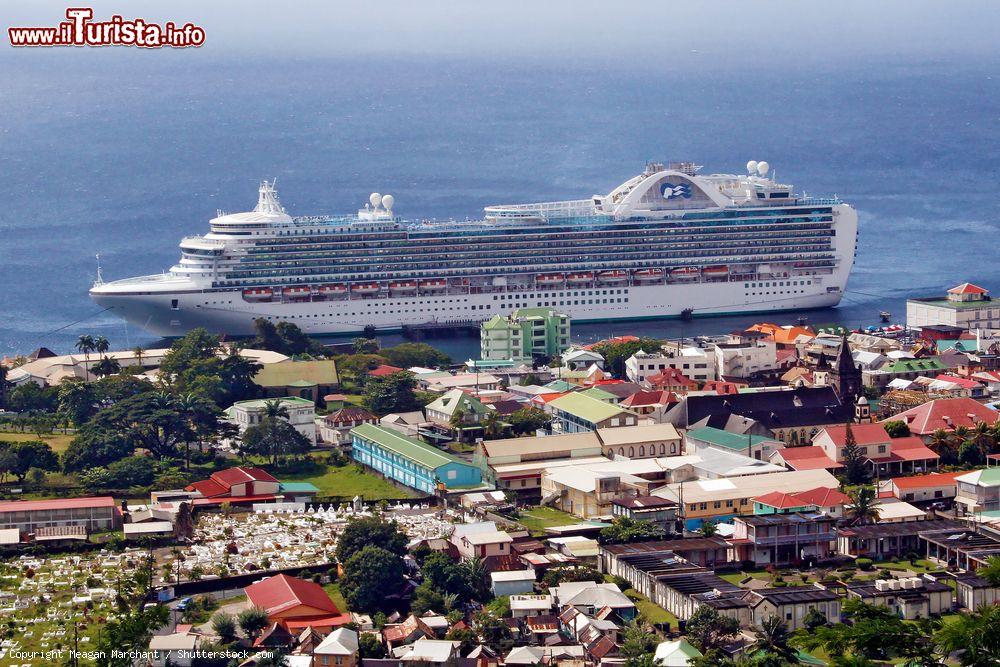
(652, 612)
(57, 441)
(349, 481)
(537, 519)
(333, 590)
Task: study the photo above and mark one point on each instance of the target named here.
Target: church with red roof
(296, 604)
(238, 484)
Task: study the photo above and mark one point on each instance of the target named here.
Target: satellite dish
(387, 201)
(752, 167)
(762, 168)
(375, 198)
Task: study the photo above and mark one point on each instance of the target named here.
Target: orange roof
(240, 475)
(967, 288)
(927, 481)
(281, 593)
(945, 413)
(782, 335)
(911, 449)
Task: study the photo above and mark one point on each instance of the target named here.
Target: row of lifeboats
(339, 289)
(433, 285)
(638, 275)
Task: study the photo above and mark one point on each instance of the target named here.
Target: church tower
(845, 376)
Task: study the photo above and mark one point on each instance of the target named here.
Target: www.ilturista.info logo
(81, 30)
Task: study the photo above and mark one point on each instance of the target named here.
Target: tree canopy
(361, 532)
(371, 576)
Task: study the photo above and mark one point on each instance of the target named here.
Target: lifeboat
(549, 279)
(648, 274)
(720, 271)
(433, 284)
(334, 288)
(296, 291)
(616, 276)
(577, 278)
(403, 286)
(365, 288)
(257, 293)
(684, 273)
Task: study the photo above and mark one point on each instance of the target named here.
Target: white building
(694, 362)
(967, 306)
(744, 360)
(301, 414)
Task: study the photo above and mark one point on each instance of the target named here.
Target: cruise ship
(669, 242)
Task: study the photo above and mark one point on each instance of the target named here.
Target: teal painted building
(408, 461)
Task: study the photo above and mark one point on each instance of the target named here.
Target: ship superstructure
(667, 242)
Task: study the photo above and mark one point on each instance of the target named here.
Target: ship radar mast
(267, 201)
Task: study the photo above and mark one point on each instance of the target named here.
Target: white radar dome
(375, 199)
(752, 167)
(762, 168)
(387, 201)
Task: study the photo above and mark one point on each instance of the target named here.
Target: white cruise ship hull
(228, 313)
(666, 243)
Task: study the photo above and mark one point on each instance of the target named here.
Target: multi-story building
(694, 363)
(978, 491)
(525, 334)
(746, 359)
(720, 499)
(966, 306)
(783, 539)
(883, 455)
(576, 412)
(301, 413)
(90, 514)
(409, 461)
(336, 427)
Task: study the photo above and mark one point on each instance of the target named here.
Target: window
(174, 304)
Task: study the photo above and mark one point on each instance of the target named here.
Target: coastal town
(782, 494)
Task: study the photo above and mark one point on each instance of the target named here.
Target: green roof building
(409, 461)
(577, 412)
(311, 380)
(525, 334)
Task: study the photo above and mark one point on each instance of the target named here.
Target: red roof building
(933, 486)
(967, 288)
(238, 484)
(883, 455)
(805, 458)
(829, 500)
(645, 402)
(295, 603)
(945, 413)
(671, 379)
(822, 499)
(723, 387)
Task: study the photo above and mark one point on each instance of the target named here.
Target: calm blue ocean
(123, 156)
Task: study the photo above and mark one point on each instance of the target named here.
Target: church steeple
(846, 375)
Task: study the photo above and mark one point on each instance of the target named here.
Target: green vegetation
(57, 441)
(349, 481)
(537, 519)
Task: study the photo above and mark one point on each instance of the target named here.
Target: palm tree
(991, 571)
(983, 437)
(191, 406)
(973, 637)
(275, 409)
(773, 637)
(138, 351)
(944, 445)
(85, 345)
(864, 506)
(492, 425)
(101, 345)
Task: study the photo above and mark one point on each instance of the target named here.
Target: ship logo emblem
(672, 191)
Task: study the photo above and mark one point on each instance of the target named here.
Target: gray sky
(583, 29)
